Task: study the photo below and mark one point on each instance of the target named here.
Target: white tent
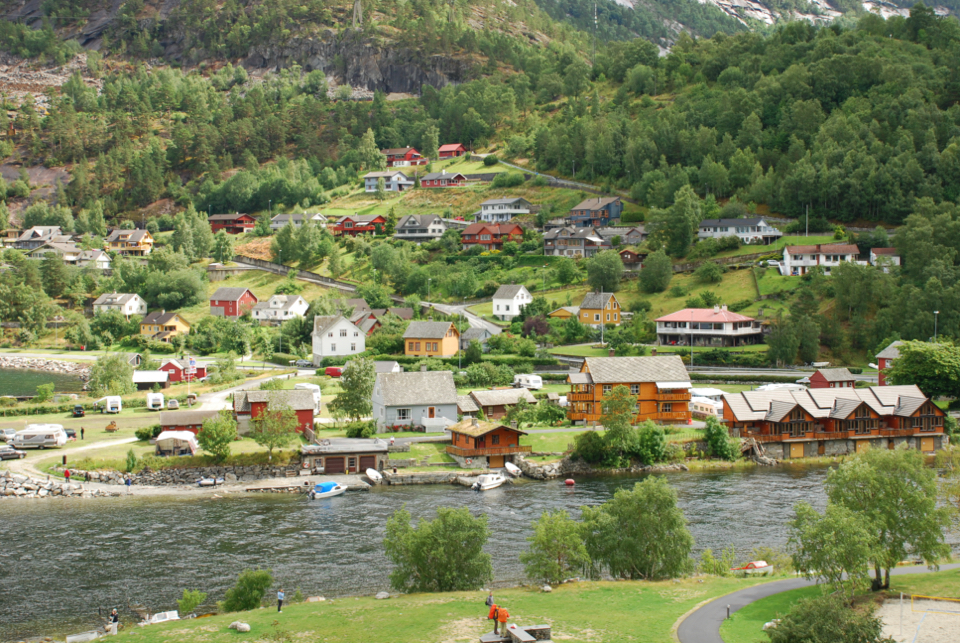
(177, 442)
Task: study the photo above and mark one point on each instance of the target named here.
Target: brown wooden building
(498, 402)
(344, 456)
(660, 384)
(832, 378)
(837, 421)
(475, 443)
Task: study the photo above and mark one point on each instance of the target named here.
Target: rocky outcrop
(16, 486)
(45, 365)
(185, 476)
(546, 471)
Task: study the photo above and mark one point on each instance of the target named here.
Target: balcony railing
(491, 450)
(580, 397)
(672, 397)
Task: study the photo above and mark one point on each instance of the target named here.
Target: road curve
(703, 625)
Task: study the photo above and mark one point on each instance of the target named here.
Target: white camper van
(527, 381)
(110, 404)
(315, 389)
(155, 401)
(40, 436)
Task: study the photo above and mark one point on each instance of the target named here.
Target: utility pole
(603, 310)
(806, 232)
(935, 313)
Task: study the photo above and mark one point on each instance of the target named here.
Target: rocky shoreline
(184, 476)
(45, 365)
(14, 485)
(568, 466)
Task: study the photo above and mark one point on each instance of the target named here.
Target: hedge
(745, 379)
(283, 359)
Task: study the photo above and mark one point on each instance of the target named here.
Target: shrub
(190, 601)
(490, 160)
(283, 359)
(590, 447)
(719, 441)
(826, 618)
(148, 432)
(249, 591)
(131, 461)
(361, 429)
(507, 180)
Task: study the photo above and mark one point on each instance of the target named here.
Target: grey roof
(508, 291)
(836, 374)
(346, 445)
(297, 400)
(427, 330)
(570, 232)
(596, 203)
(779, 409)
(441, 175)
(39, 232)
(417, 220)
(417, 388)
(504, 201)
(662, 368)
(229, 294)
(752, 406)
(161, 317)
(358, 304)
(716, 223)
(385, 175)
(227, 217)
(322, 324)
(113, 299)
(174, 418)
(595, 300)
(385, 366)
(131, 235)
(844, 407)
(465, 404)
(891, 352)
(907, 406)
(619, 232)
(502, 397)
(579, 378)
(146, 377)
(477, 333)
(288, 302)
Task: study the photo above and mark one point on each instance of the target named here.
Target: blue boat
(327, 490)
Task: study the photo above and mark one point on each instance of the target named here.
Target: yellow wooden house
(163, 326)
(130, 243)
(431, 339)
(600, 308)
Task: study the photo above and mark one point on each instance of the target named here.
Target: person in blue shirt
(280, 600)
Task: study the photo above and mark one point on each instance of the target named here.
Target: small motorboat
(513, 469)
(488, 481)
(161, 617)
(754, 567)
(209, 482)
(375, 476)
(327, 490)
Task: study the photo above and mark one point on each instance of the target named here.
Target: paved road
(703, 625)
(475, 322)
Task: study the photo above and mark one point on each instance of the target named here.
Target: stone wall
(188, 476)
(13, 485)
(425, 477)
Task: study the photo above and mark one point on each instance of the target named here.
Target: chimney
(613, 353)
(443, 171)
(723, 308)
(474, 422)
(423, 368)
(513, 424)
(716, 309)
(653, 352)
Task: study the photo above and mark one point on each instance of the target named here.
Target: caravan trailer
(155, 401)
(110, 404)
(313, 388)
(528, 381)
(40, 436)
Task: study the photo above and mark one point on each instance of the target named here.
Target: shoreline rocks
(16, 486)
(186, 476)
(12, 362)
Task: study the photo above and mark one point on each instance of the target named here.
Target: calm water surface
(24, 382)
(61, 560)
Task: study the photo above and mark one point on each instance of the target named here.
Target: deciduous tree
(276, 427)
(557, 550)
(657, 272)
(111, 375)
(933, 368)
(356, 389)
(604, 271)
(216, 434)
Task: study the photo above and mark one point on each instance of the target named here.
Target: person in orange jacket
(502, 616)
(493, 616)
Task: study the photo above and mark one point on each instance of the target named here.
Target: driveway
(703, 625)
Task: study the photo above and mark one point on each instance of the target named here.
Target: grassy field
(598, 612)
(263, 285)
(556, 298)
(745, 626)
(770, 281)
(791, 240)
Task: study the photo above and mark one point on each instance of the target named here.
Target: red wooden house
(832, 378)
(475, 443)
(403, 157)
(358, 224)
(232, 302)
(491, 236)
(232, 223)
(451, 150)
(177, 369)
(249, 405)
(885, 359)
(442, 179)
(185, 420)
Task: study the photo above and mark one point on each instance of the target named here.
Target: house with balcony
(660, 385)
(596, 212)
(754, 230)
(496, 403)
(38, 235)
(68, 252)
(451, 150)
(502, 210)
(127, 303)
(509, 300)
(403, 157)
(232, 302)
(599, 309)
(885, 359)
(162, 326)
(130, 243)
(358, 224)
(419, 228)
(884, 258)
(235, 223)
(631, 259)
(712, 327)
(491, 236)
(443, 179)
(573, 242)
(799, 260)
(487, 445)
(336, 336)
(393, 181)
(832, 378)
(296, 220)
(835, 421)
(279, 309)
(425, 399)
(431, 339)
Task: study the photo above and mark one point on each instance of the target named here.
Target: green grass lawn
(598, 612)
(746, 625)
(777, 248)
(770, 281)
(433, 451)
(263, 285)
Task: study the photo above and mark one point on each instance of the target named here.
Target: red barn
(232, 223)
(832, 378)
(185, 420)
(249, 405)
(885, 359)
(403, 157)
(442, 179)
(232, 302)
(451, 150)
(176, 369)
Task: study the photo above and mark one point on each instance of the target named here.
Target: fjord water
(60, 560)
(25, 382)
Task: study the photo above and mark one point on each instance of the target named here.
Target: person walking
(493, 616)
(66, 475)
(128, 482)
(280, 600)
(114, 621)
(81, 432)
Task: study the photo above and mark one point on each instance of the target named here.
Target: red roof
(704, 315)
(492, 228)
(451, 147)
(884, 251)
(826, 249)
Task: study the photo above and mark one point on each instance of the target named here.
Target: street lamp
(463, 313)
(935, 313)
(429, 279)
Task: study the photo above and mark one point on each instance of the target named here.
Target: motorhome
(40, 436)
(110, 404)
(155, 401)
(315, 389)
(528, 381)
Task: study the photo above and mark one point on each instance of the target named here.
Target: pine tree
(430, 142)
(284, 244)
(222, 247)
(96, 222)
(334, 265)
(54, 275)
(370, 156)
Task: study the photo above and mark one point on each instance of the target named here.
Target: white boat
(209, 482)
(375, 476)
(327, 490)
(513, 469)
(488, 481)
(162, 617)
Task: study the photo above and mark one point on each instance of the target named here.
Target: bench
(519, 635)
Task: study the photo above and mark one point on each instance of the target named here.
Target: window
(596, 317)
(330, 334)
(343, 332)
(495, 440)
(634, 389)
(403, 414)
(353, 348)
(333, 348)
(608, 316)
(418, 346)
(410, 346)
(606, 388)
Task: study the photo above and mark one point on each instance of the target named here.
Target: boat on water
(488, 481)
(375, 476)
(327, 490)
(209, 482)
(513, 469)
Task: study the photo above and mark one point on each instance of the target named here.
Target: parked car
(78, 411)
(334, 371)
(7, 452)
(173, 405)
(7, 434)
(71, 434)
(303, 363)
